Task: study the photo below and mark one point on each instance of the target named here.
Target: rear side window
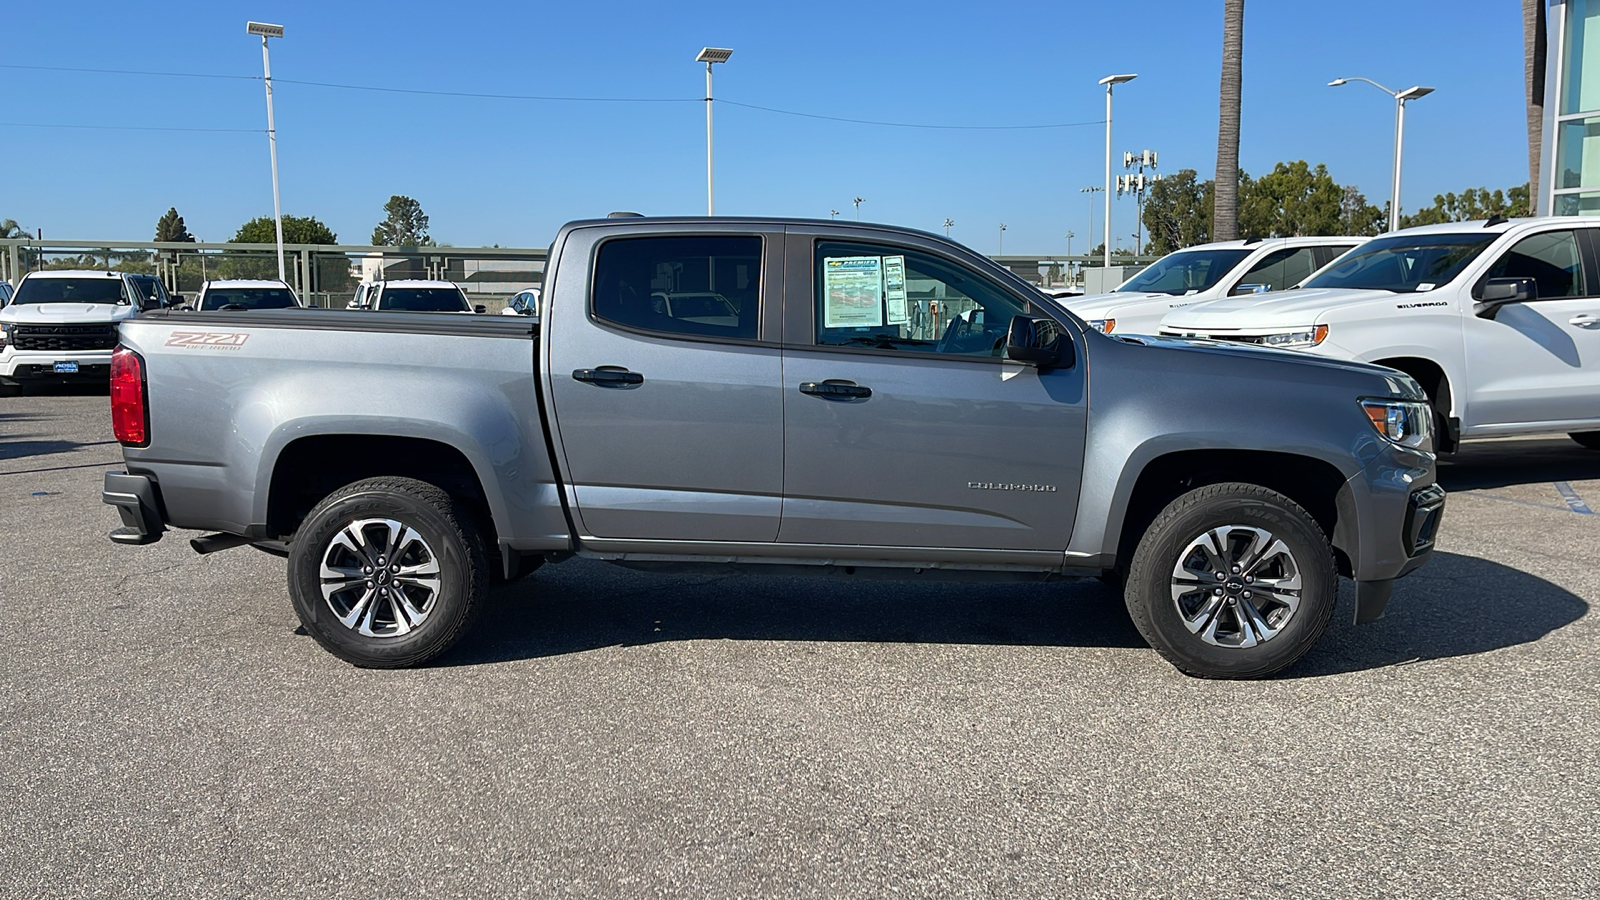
(707, 286)
(71, 290)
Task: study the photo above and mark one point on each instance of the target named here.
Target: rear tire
(387, 573)
(1587, 439)
(1232, 581)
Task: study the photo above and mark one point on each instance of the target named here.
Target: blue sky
(511, 171)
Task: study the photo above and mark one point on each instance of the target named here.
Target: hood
(65, 313)
(1255, 312)
(1108, 306)
(1399, 383)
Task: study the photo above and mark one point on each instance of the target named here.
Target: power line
(550, 99)
(132, 128)
(790, 112)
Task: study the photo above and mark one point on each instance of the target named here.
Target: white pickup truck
(1206, 272)
(1499, 321)
(61, 325)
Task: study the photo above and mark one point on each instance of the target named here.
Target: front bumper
(19, 366)
(138, 501)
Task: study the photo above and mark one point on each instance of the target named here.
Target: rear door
(904, 426)
(665, 378)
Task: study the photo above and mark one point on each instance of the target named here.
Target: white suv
(1206, 272)
(237, 294)
(61, 325)
(413, 295)
(1499, 321)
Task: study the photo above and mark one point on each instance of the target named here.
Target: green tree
(1472, 203)
(1177, 212)
(296, 230)
(1226, 212)
(404, 224)
(170, 227)
(1293, 199)
(10, 229)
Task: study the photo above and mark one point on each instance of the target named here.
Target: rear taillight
(130, 418)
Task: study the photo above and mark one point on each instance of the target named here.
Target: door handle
(608, 376)
(836, 389)
(1585, 321)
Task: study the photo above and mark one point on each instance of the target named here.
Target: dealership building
(1570, 171)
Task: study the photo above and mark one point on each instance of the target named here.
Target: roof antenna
(1496, 219)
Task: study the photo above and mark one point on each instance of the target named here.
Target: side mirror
(1498, 292)
(1038, 342)
(1253, 289)
(480, 309)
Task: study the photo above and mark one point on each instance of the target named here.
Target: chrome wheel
(1236, 586)
(380, 578)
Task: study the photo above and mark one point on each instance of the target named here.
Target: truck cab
(1243, 268)
(61, 325)
(1498, 320)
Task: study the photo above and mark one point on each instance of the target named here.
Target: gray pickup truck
(803, 396)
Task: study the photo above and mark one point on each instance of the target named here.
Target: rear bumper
(138, 501)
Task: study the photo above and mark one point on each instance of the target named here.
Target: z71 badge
(208, 340)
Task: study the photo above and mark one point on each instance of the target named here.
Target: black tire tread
(477, 564)
(1145, 556)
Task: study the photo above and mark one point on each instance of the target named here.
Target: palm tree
(1533, 57)
(1225, 212)
(10, 229)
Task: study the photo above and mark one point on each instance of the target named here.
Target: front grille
(64, 338)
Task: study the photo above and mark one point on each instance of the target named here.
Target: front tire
(1587, 439)
(1232, 581)
(387, 573)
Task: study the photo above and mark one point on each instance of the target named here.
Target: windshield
(1403, 263)
(1186, 271)
(70, 290)
(248, 298)
(423, 300)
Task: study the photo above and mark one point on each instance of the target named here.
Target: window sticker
(853, 291)
(894, 290)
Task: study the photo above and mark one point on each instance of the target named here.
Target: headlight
(1407, 423)
(1308, 337)
(1105, 326)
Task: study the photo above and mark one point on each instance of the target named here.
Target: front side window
(71, 290)
(707, 286)
(886, 298)
(1550, 259)
(1186, 271)
(423, 300)
(1404, 263)
(1278, 270)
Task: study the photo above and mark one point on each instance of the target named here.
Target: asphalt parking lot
(165, 732)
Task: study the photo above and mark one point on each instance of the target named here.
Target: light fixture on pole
(858, 201)
(948, 223)
(271, 31)
(1400, 98)
(1091, 190)
(710, 56)
(1110, 81)
(1069, 254)
(833, 214)
(1002, 251)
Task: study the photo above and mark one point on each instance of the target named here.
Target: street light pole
(1002, 250)
(947, 225)
(271, 31)
(833, 214)
(857, 202)
(709, 56)
(1400, 98)
(1110, 81)
(1091, 190)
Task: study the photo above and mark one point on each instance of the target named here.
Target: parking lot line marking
(1485, 495)
(1574, 502)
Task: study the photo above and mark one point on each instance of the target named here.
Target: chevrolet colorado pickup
(860, 400)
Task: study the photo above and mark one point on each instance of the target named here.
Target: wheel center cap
(1235, 586)
(383, 577)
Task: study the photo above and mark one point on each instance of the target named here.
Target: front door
(1538, 362)
(904, 426)
(666, 392)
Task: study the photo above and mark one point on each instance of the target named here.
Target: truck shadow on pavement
(1456, 606)
(21, 447)
(1504, 463)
